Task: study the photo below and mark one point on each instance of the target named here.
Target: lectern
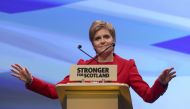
(94, 96)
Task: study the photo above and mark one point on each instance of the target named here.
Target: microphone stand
(80, 46)
(112, 45)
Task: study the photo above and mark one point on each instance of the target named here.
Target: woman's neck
(106, 58)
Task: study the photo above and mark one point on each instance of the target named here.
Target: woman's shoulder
(123, 60)
(83, 62)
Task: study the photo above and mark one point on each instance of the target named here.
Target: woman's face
(103, 39)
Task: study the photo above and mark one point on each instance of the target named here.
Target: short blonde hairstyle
(98, 25)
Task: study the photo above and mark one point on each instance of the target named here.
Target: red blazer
(126, 71)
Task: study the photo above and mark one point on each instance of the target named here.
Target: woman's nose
(102, 41)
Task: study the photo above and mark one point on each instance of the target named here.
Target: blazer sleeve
(45, 88)
(149, 94)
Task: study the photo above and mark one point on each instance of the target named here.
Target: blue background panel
(43, 36)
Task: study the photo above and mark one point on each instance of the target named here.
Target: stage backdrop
(43, 36)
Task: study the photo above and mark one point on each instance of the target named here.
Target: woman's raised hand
(21, 73)
(166, 76)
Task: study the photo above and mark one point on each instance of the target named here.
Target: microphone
(112, 45)
(80, 48)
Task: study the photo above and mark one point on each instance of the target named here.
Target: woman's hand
(166, 76)
(21, 73)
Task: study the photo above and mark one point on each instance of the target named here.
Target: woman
(102, 36)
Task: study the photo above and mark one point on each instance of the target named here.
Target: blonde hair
(98, 25)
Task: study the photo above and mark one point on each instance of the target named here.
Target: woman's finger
(19, 66)
(171, 77)
(15, 67)
(170, 69)
(167, 71)
(14, 71)
(28, 73)
(172, 73)
(15, 75)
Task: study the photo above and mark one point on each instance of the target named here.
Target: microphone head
(113, 44)
(79, 46)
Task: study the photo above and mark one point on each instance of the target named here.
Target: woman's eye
(97, 38)
(107, 36)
